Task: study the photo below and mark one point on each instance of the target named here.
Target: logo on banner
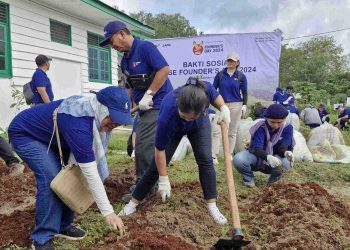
(197, 48)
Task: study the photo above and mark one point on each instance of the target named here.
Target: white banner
(205, 56)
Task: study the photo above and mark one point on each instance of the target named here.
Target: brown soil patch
(16, 207)
(298, 216)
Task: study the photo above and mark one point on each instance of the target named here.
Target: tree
(167, 26)
(316, 60)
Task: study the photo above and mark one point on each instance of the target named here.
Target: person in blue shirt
(270, 149)
(40, 84)
(184, 112)
(84, 125)
(324, 115)
(280, 96)
(232, 85)
(147, 82)
(343, 117)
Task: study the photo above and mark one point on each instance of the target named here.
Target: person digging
(184, 112)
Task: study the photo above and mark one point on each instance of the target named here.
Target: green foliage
(18, 99)
(167, 25)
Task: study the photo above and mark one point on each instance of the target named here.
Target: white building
(66, 30)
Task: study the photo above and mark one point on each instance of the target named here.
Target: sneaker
(47, 246)
(274, 179)
(128, 209)
(16, 169)
(72, 233)
(126, 198)
(250, 184)
(215, 161)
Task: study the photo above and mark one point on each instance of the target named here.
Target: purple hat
(110, 29)
(118, 103)
(276, 111)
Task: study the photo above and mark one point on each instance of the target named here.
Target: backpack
(240, 78)
(28, 92)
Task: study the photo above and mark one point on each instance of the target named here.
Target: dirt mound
(298, 216)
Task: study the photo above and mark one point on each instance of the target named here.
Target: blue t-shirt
(322, 114)
(40, 79)
(293, 109)
(145, 58)
(280, 96)
(259, 139)
(230, 87)
(344, 113)
(36, 124)
(169, 121)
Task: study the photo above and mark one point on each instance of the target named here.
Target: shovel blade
(223, 244)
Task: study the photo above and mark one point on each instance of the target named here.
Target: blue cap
(118, 103)
(276, 111)
(110, 29)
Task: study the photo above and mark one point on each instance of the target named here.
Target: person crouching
(271, 147)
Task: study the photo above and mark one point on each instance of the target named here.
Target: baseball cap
(110, 29)
(340, 106)
(41, 59)
(118, 103)
(233, 56)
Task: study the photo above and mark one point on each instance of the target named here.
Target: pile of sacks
(326, 143)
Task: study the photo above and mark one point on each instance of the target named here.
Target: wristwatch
(149, 92)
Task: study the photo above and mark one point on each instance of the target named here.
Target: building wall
(30, 36)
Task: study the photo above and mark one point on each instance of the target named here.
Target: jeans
(52, 216)
(6, 152)
(246, 163)
(200, 140)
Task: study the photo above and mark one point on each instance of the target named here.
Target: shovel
(237, 236)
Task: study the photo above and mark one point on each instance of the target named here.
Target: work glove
(273, 161)
(224, 115)
(244, 110)
(164, 187)
(146, 102)
(286, 101)
(290, 157)
(133, 155)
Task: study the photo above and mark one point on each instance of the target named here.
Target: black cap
(41, 59)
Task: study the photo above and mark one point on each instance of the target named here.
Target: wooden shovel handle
(229, 176)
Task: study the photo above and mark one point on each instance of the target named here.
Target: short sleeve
(153, 56)
(80, 141)
(39, 79)
(211, 92)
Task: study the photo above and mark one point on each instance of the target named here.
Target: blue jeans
(52, 216)
(246, 163)
(200, 140)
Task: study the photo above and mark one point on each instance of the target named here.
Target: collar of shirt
(133, 47)
(39, 69)
(234, 73)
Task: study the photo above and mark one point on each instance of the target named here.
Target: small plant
(18, 99)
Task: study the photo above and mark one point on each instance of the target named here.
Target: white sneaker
(128, 209)
(216, 214)
(16, 169)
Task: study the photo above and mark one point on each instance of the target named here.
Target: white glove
(133, 155)
(244, 110)
(286, 101)
(164, 187)
(273, 161)
(146, 102)
(224, 115)
(290, 157)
